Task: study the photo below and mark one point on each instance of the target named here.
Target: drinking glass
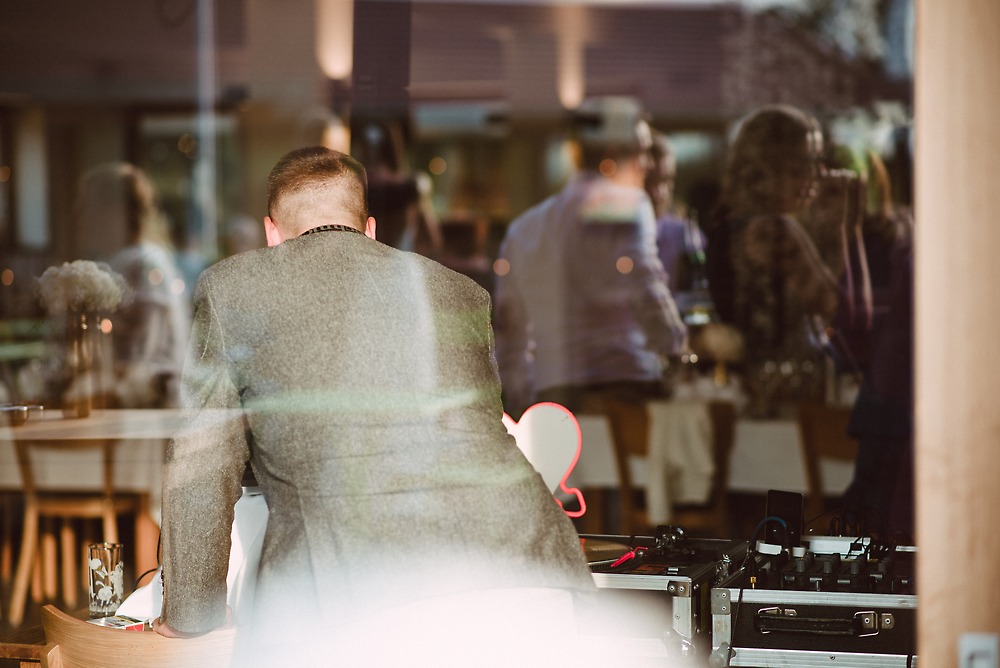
(107, 572)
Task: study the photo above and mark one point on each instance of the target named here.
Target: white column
(31, 179)
(204, 181)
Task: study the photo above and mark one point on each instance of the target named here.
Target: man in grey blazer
(360, 383)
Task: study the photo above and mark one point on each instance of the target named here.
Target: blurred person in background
(396, 198)
(584, 317)
(242, 233)
(464, 249)
(151, 329)
(766, 275)
(680, 241)
(880, 497)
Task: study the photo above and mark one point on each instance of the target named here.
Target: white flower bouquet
(81, 286)
(83, 292)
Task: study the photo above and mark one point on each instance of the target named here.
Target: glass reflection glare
(437, 166)
(501, 267)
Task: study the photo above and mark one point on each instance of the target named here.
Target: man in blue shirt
(584, 316)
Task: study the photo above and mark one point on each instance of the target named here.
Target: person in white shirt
(584, 317)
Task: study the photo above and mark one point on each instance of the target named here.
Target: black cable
(747, 560)
(763, 522)
(859, 543)
(139, 579)
(809, 522)
(730, 651)
(159, 544)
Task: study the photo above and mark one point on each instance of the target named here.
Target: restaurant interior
(475, 99)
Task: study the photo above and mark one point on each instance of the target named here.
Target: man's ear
(271, 232)
(370, 228)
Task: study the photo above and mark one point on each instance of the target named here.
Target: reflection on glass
(479, 95)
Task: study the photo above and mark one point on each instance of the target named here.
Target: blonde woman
(150, 331)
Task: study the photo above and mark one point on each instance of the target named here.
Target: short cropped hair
(316, 184)
(613, 127)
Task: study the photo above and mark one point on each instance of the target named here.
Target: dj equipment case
(817, 609)
(664, 588)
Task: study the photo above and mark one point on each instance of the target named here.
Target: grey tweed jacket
(360, 383)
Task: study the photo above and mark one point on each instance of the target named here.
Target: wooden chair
(104, 505)
(823, 433)
(629, 424)
(74, 643)
(9, 506)
(632, 426)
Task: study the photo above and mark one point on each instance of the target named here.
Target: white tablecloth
(767, 454)
(678, 468)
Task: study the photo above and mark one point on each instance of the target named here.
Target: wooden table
(122, 424)
(140, 437)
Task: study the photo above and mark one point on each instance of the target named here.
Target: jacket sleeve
(653, 304)
(202, 480)
(513, 344)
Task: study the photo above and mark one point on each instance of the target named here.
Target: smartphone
(788, 507)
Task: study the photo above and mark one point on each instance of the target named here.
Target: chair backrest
(823, 432)
(25, 450)
(714, 514)
(74, 643)
(549, 436)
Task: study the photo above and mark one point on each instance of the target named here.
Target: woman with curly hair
(766, 275)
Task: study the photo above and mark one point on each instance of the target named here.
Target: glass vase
(78, 397)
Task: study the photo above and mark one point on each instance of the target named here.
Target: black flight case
(835, 602)
(660, 586)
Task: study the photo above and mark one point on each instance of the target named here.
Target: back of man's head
(314, 186)
(612, 128)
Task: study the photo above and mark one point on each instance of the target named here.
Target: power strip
(843, 545)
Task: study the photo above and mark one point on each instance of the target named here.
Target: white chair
(549, 436)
